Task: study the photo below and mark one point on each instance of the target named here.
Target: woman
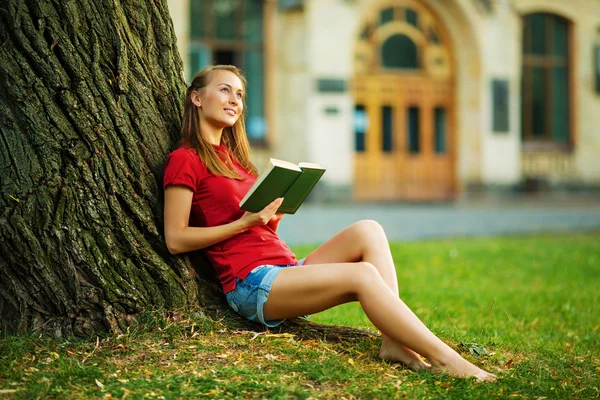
(205, 180)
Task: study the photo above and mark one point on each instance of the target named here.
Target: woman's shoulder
(184, 154)
(184, 167)
(183, 151)
(184, 157)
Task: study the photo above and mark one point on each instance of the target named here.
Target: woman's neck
(212, 136)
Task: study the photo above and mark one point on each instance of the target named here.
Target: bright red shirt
(216, 202)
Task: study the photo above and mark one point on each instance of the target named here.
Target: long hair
(234, 137)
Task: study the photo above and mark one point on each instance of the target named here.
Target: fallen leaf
(99, 384)
(475, 349)
(350, 361)
(508, 364)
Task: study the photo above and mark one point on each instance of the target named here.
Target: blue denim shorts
(250, 295)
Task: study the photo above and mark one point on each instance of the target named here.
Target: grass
(525, 308)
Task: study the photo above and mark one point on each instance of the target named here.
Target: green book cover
(282, 179)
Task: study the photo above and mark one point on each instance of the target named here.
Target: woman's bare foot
(457, 366)
(394, 352)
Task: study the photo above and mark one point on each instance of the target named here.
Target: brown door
(404, 116)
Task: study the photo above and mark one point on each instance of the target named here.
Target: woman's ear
(196, 99)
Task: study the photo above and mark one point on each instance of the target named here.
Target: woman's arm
(182, 238)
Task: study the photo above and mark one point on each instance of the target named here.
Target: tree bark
(90, 105)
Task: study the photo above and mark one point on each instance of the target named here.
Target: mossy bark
(90, 105)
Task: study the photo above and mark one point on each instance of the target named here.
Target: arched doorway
(404, 119)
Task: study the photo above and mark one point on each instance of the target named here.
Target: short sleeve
(183, 167)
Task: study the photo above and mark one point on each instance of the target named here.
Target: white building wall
(588, 100)
(331, 136)
(289, 134)
(180, 14)
(332, 28)
(588, 146)
(460, 19)
(500, 39)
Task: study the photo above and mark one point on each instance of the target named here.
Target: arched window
(399, 51)
(546, 79)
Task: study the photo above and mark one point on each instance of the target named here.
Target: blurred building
(413, 99)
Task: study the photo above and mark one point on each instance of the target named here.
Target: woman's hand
(262, 217)
(274, 222)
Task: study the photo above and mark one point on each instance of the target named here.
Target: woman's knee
(364, 275)
(367, 225)
(368, 229)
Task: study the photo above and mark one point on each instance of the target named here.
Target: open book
(282, 179)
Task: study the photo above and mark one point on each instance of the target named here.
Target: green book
(282, 179)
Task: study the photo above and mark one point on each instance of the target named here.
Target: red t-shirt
(216, 202)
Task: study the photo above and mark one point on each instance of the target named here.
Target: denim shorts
(250, 295)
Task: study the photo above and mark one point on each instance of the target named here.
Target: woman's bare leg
(314, 288)
(366, 241)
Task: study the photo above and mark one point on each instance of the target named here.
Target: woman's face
(220, 101)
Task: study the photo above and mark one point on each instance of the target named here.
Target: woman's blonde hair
(234, 137)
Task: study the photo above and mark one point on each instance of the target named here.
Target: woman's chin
(229, 123)
(222, 124)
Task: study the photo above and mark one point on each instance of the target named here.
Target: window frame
(547, 62)
(239, 45)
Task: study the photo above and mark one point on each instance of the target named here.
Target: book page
(308, 165)
(284, 164)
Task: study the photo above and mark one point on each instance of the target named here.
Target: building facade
(413, 99)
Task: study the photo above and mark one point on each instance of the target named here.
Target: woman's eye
(239, 96)
(225, 90)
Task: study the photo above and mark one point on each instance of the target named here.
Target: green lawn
(526, 308)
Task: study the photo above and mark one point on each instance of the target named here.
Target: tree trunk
(90, 105)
